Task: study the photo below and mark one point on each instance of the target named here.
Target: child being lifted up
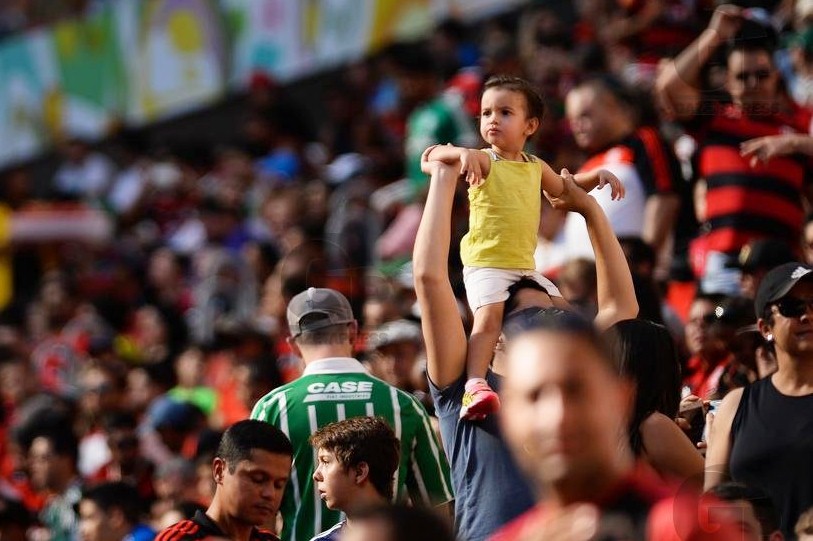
(505, 191)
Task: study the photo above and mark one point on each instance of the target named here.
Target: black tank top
(772, 448)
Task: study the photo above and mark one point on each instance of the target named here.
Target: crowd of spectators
(124, 355)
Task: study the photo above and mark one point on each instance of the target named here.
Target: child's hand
(599, 179)
(470, 167)
(617, 190)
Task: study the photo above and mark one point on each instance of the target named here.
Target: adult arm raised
(678, 86)
(616, 294)
(442, 327)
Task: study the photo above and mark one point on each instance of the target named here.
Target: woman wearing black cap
(763, 433)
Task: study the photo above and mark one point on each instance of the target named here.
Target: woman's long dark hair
(646, 353)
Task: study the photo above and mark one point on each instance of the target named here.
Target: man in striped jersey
(333, 387)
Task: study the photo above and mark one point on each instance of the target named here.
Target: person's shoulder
(260, 534)
(271, 399)
(180, 531)
(519, 527)
(330, 535)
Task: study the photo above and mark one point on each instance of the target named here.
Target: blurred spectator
(176, 424)
(112, 512)
(800, 77)
(750, 509)
(225, 295)
(189, 370)
(15, 520)
(709, 354)
(435, 117)
(646, 354)
(606, 123)
(101, 394)
(577, 282)
(175, 481)
(85, 175)
(126, 462)
(130, 187)
(52, 460)
(734, 318)
(757, 258)
(394, 349)
(569, 457)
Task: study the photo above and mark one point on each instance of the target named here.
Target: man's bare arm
(660, 214)
(678, 88)
(442, 327)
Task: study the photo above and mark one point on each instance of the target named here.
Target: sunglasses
(759, 75)
(793, 306)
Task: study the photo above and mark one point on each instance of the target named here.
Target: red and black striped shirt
(201, 526)
(744, 202)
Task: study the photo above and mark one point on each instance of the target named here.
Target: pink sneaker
(479, 400)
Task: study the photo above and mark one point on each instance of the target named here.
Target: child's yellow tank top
(504, 215)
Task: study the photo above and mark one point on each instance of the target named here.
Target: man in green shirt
(334, 387)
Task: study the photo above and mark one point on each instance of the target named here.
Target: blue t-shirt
(490, 491)
(140, 532)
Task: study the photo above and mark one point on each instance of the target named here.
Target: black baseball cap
(778, 282)
(764, 254)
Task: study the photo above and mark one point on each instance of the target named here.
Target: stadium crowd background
(142, 346)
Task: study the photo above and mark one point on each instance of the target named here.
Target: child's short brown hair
(533, 99)
(363, 439)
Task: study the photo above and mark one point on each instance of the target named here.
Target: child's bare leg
(480, 399)
(484, 335)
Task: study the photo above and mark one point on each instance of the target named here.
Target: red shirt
(639, 507)
(743, 202)
(704, 379)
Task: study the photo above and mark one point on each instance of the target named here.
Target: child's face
(334, 482)
(504, 122)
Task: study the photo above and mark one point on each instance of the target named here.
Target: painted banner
(134, 62)
(28, 97)
(180, 55)
(88, 96)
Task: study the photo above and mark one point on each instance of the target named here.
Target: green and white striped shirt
(334, 389)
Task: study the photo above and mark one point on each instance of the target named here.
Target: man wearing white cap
(334, 387)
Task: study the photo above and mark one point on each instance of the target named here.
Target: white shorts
(485, 285)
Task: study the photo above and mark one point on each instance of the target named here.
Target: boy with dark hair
(112, 512)
(251, 468)
(357, 459)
